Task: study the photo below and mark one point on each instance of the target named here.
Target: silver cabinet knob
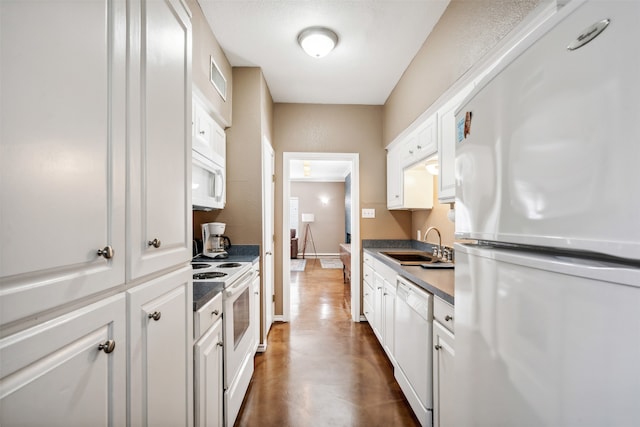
(201, 132)
(107, 252)
(108, 346)
(155, 315)
(257, 293)
(447, 318)
(219, 344)
(215, 312)
(155, 243)
(269, 253)
(437, 347)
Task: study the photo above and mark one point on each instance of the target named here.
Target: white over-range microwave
(207, 184)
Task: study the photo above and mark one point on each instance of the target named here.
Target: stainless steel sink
(423, 259)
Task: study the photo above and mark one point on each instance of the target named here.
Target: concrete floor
(321, 369)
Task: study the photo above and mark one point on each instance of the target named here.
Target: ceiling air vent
(217, 79)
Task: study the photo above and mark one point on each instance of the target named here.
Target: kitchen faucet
(438, 249)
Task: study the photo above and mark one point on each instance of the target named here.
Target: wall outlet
(419, 235)
(368, 213)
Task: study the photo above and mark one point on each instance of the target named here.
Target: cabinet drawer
(443, 313)
(368, 294)
(207, 315)
(368, 258)
(367, 274)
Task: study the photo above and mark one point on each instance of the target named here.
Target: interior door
(268, 182)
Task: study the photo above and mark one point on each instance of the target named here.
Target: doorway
(354, 188)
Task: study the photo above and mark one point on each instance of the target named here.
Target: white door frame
(354, 158)
(268, 217)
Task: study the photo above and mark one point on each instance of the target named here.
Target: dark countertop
(440, 282)
(203, 292)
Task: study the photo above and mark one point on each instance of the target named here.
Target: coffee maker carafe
(214, 243)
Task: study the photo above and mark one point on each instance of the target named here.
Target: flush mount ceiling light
(317, 41)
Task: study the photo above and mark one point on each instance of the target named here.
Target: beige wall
(205, 45)
(328, 228)
(243, 211)
(337, 129)
(466, 31)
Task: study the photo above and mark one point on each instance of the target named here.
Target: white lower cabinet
(388, 319)
(160, 351)
(443, 359)
(443, 376)
(417, 337)
(208, 379)
(376, 318)
(69, 371)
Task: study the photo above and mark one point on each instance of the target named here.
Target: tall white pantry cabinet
(95, 213)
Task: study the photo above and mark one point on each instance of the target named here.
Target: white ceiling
(377, 41)
(319, 170)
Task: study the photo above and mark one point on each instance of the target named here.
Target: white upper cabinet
(447, 146)
(160, 139)
(62, 153)
(421, 143)
(209, 138)
(394, 179)
(409, 185)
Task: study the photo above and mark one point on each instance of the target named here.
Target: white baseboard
(278, 318)
(363, 318)
(261, 348)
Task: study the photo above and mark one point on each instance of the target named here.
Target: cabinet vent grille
(217, 79)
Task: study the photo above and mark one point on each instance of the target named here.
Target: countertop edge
(406, 273)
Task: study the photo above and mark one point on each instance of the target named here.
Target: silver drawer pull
(107, 252)
(108, 346)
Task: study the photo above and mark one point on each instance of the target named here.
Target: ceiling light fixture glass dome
(317, 41)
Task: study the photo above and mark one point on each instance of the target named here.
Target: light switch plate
(368, 213)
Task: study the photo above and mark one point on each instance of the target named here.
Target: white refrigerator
(547, 297)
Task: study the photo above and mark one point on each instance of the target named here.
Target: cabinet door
(55, 374)
(394, 178)
(160, 138)
(447, 146)
(160, 331)
(388, 319)
(61, 152)
(203, 135)
(443, 376)
(377, 306)
(208, 379)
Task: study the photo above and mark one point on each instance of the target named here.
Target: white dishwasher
(413, 336)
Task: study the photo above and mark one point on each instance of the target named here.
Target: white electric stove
(219, 271)
(238, 305)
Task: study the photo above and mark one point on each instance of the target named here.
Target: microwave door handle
(212, 185)
(220, 188)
